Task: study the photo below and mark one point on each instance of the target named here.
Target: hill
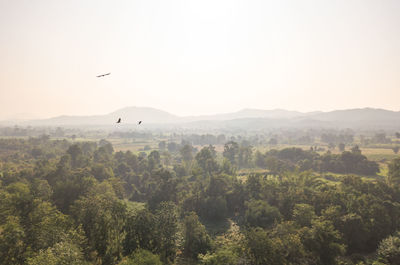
(247, 119)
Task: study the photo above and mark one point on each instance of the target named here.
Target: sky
(194, 57)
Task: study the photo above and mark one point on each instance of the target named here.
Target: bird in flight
(103, 75)
(139, 122)
(119, 120)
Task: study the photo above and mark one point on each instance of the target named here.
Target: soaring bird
(103, 75)
(139, 122)
(119, 120)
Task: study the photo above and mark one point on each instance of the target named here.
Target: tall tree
(167, 229)
(103, 218)
(260, 249)
(206, 160)
(394, 171)
(196, 239)
(231, 151)
(12, 246)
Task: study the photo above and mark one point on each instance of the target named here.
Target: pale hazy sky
(193, 57)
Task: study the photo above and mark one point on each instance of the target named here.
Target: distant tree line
(296, 158)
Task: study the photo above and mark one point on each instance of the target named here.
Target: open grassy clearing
(378, 154)
(132, 145)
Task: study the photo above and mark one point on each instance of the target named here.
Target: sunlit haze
(192, 57)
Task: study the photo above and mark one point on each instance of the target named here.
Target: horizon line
(184, 116)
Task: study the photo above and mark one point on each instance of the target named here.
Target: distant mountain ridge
(365, 117)
(129, 115)
(358, 115)
(248, 113)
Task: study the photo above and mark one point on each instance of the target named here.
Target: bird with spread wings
(103, 75)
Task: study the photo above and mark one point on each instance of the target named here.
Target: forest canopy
(82, 202)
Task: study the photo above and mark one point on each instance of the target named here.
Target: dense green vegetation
(290, 158)
(81, 202)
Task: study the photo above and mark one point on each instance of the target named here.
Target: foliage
(261, 249)
(260, 213)
(279, 161)
(221, 256)
(196, 239)
(62, 253)
(64, 202)
(141, 257)
(389, 249)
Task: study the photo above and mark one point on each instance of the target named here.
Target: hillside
(254, 119)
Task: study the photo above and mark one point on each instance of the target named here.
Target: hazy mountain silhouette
(247, 113)
(250, 118)
(129, 115)
(149, 115)
(365, 114)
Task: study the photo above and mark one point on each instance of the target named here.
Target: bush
(389, 249)
(260, 213)
(142, 257)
